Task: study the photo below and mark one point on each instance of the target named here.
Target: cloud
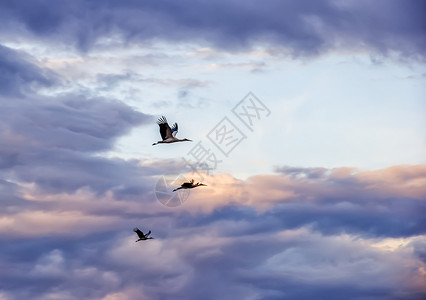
(67, 212)
(69, 122)
(53, 141)
(224, 242)
(51, 265)
(109, 81)
(303, 172)
(19, 74)
(299, 27)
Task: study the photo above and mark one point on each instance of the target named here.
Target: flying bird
(189, 185)
(168, 134)
(142, 237)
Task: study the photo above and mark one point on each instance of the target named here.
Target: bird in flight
(168, 134)
(189, 185)
(141, 235)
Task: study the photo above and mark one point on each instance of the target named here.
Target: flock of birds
(168, 136)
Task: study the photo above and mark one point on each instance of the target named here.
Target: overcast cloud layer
(298, 27)
(67, 212)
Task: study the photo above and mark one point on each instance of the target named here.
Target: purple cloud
(301, 27)
(50, 141)
(19, 74)
(66, 214)
(300, 247)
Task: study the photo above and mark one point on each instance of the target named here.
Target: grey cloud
(372, 204)
(302, 172)
(19, 74)
(295, 268)
(347, 200)
(295, 265)
(233, 252)
(70, 122)
(419, 247)
(110, 81)
(368, 220)
(66, 171)
(51, 141)
(296, 248)
(302, 27)
(378, 218)
(10, 198)
(56, 139)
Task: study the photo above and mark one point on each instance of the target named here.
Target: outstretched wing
(148, 233)
(139, 233)
(174, 129)
(165, 130)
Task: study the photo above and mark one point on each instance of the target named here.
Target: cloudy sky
(308, 125)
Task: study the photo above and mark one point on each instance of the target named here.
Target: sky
(307, 121)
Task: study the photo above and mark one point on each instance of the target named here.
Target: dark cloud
(51, 141)
(48, 148)
(69, 122)
(387, 203)
(383, 203)
(368, 220)
(19, 74)
(67, 214)
(50, 144)
(300, 27)
(189, 263)
(10, 198)
(419, 247)
(285, 287)
(64, 171)
(234, 252)
(378, 218)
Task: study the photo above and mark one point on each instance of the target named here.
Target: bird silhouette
(168, 134)
(189, 185)
(141, 235)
